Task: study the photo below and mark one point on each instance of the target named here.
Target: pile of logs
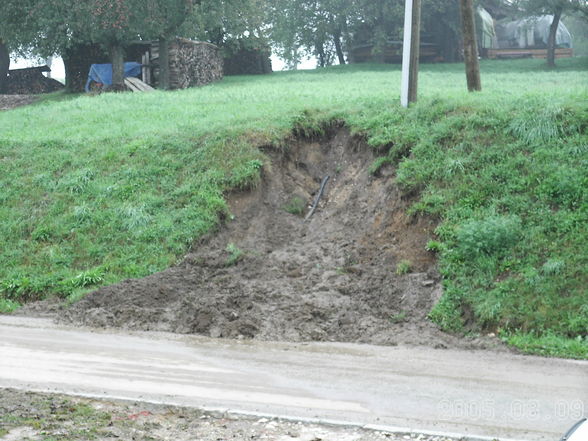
(30, 81)
(192, 63)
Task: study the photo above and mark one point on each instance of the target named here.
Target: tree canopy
(325, 29)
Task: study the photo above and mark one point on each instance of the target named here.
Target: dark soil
(8, 102)
(331, 278)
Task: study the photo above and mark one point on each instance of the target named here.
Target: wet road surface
(478, 393)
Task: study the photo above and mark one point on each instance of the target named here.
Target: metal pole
(410, 52)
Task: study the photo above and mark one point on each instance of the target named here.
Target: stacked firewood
(31, 81)
(194, 63)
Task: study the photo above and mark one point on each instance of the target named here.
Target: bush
(295, 206)
(493, 235)
(403, 267)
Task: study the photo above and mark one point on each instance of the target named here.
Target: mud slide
(270, 274)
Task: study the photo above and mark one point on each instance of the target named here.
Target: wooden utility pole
(410, 52)
(470, 45)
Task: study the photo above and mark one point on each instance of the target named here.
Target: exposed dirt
(8, 102)
(331, 278)
(31, 416)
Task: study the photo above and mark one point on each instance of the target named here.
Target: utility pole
(470, 45)
(410, 52)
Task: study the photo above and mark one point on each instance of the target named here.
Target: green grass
(403, 267)
(95, 189)
(54, 418)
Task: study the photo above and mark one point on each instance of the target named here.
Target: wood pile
(31, 81)
(191, 63)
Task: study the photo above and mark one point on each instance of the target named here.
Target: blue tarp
(102, 73)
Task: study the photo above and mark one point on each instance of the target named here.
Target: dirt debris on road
(269, 275)
(34, 416)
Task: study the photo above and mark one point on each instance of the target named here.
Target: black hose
(318, 197)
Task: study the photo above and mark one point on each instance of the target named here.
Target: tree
(441, 24)
(329, 28)
(4, 66)
(15, 29)
(312, 27)
(470, 45)
(47, 27)
(556, 8)
(162, 21)
(112, 23)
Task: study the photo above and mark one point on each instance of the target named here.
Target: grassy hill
(95, 189)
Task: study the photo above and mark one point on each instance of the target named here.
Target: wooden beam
(136, 85)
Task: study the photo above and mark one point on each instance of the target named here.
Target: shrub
(398, 318)
(88, 278)
(403, 267)
(235, 254)
(492, 235)
(434, 246)
(296, 206)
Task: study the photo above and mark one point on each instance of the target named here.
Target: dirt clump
(269, 274)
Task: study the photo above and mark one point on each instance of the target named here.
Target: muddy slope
(331, 278)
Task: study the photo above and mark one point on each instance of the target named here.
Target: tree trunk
(67, 66)
(164, 77)
(117, 57)
(320, 51)
(552, 36)
(339, 46)
(4, 66)
(470, 45)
